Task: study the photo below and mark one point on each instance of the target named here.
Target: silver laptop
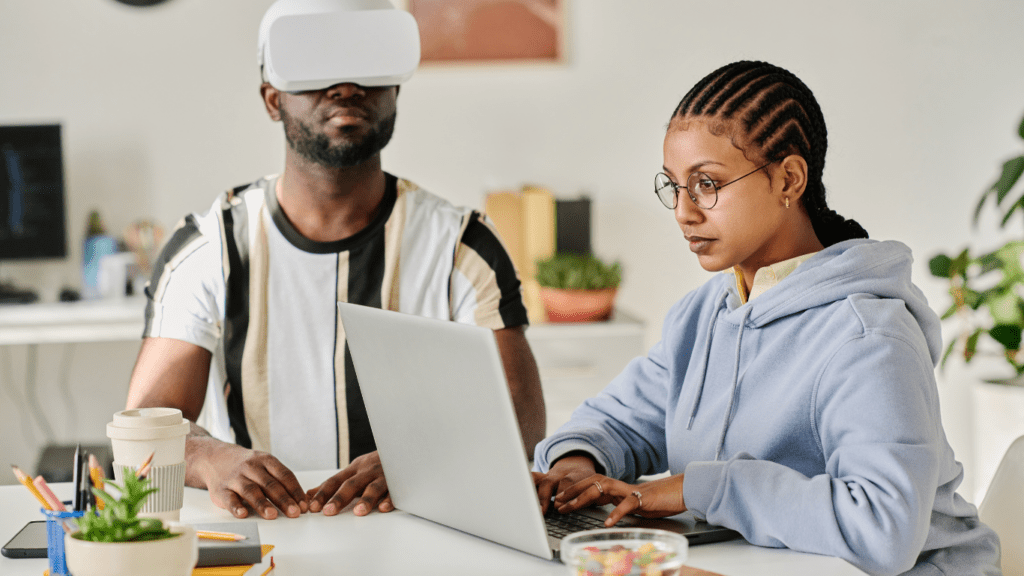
(449, 443)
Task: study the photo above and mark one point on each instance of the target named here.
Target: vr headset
(315, 44)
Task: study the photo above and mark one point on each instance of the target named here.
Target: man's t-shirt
(241, 282)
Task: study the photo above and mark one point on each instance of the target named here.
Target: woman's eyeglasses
(699, 187)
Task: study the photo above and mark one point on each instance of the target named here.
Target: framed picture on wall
(490, 31)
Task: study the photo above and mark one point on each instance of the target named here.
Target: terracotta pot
(175, 556)
(577, 305)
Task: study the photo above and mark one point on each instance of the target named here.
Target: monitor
(32, 217)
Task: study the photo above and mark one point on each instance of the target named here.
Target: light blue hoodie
(807, 418)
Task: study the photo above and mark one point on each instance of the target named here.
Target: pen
(85, 494)
(76, 480)
(211, 535)
(24, 479)
(44, 489)
(96, 473)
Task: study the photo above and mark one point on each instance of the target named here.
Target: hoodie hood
(854, 267)
(861, 266)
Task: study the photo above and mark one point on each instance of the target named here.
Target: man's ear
(793, 169)
(271, 100)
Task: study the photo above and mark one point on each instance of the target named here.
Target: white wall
(161, 111)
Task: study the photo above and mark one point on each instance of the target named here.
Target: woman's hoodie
(806, 418)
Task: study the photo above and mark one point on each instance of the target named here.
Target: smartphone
(29, 542)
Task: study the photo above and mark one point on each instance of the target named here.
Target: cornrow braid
(773, 113)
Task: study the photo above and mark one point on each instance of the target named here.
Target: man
(242, 300)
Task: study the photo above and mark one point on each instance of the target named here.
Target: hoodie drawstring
(735, 384)
(707, 358)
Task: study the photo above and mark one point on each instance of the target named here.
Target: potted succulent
(577, 287)
(115, 541)
(987, 293)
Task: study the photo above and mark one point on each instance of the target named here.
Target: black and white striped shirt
(241, 282)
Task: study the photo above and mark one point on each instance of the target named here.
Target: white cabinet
(577, 360)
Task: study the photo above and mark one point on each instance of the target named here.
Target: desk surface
(107, 320)
(399, 544)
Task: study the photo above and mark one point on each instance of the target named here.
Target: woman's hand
(565, 472)
(655, 499)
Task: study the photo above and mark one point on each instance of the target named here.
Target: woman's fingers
(545, 489)
(595, 484)
(628, 504)
(593, 490)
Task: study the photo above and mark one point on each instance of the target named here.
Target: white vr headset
(315, 44)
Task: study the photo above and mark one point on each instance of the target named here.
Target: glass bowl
(624, 552)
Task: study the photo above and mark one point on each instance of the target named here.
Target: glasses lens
(702, 190)
(666, 190)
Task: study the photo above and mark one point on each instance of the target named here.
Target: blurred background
(160, 111)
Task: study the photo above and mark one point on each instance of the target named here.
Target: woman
(793, 399)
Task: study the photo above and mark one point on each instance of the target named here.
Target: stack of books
(525, 220)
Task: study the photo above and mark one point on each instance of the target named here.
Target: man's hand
(363, 478)
(173, 373)
(566, 472)
(239, 478)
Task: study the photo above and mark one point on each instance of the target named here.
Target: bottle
(97, 245)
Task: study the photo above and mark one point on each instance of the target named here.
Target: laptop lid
(442, 418)
(445, 427)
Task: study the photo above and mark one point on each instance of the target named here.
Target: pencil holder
(55, 539)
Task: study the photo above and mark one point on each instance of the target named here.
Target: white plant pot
(998, 421)
(175, 556)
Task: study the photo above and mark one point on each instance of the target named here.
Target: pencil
(24, 479)
(211, 535)
(269, 569)
(144, 468)
(48, 495)
(96, 474)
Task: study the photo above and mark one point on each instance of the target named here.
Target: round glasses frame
(701, 189)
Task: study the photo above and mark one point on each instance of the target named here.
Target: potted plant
(577, 287)
(116, 542)
(987, 292)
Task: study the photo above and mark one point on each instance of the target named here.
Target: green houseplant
(987, 290)
(578, 287)
(119, 520)
(117, 542)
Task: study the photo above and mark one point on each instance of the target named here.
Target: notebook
(445, 428)
(230, 553)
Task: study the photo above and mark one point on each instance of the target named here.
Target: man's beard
(317, 147)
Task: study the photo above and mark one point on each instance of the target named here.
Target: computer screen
(32, 217)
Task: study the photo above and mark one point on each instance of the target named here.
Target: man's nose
(345, 90)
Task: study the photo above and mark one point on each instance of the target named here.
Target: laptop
(445, 428)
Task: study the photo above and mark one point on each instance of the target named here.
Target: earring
(787, 202)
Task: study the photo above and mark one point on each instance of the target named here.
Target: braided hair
(769, 112)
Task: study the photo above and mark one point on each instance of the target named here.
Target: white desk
(29, 325)
(67, 322)
(399, 544)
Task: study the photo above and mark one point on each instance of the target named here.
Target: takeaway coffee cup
(134, 435)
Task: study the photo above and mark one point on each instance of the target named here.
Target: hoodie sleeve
(875, 414)
(623, 427)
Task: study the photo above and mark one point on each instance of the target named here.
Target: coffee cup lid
(155, 433)
(147, 418)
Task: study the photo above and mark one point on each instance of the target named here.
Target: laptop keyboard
(561, 525)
